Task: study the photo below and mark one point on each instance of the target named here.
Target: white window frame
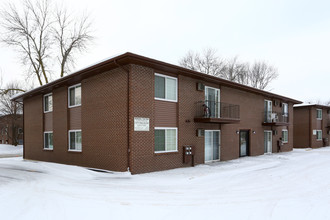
(317, 110)
(176, 143)
(176, 85)
(283, 141)
(48, 94)
(48, 132)
(74, 86)
(321, 135)
(70, 140)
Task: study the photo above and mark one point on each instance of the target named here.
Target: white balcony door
(212, 101)
(268, 110)
(268, 141)
(212, 145)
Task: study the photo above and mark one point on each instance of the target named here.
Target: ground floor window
(285, 136)
(48, 140)
(319, 135)
(75, 140)
(166, 139)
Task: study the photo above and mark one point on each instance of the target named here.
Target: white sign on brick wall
(141, 124)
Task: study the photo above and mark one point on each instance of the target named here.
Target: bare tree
(38, 30)
(261, 74)
(257, 75)
(207, 62)
(12, 110)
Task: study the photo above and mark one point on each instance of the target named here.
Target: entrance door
(244, 142)
(268, 141)
(212, 145)
(268, 111)
(212, 100)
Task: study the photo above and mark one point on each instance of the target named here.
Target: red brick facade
(112, 99)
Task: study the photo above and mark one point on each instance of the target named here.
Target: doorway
(212, 101)
(268, 142)
(244, 143)
(212, 145)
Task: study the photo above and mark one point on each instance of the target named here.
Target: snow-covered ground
(293, 185)
(7, 150)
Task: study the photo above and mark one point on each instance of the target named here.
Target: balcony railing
(226, 113)
(275, 118)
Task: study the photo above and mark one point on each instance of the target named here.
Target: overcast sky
(292, 35)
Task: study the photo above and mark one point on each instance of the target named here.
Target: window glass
(75, 95)
(319, 113)
(78, 140)
(72, 96)
(48, 137)
(170, 140)
(166, 88)
(78, 95)
(48, 102)
(170, 89)
(72, 140)
(75, 140)
(319, 135)
(159, 87)
(285, 136)
(159, 140)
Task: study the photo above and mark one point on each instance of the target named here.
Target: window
(20, 130)
(319, 135)
(285, 109)
(48, 103)
(165, 140)
(319, 114)
(75, 95)
(165, 88)
(285, 136)
(48, 140)
(75, 140)
(5, 130)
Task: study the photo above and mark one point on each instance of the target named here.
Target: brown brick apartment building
(135, 112)
(311, 126)
(11, 129)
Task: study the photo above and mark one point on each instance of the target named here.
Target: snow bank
(293, 185)
(10, 150)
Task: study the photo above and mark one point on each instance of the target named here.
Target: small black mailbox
(188, 154)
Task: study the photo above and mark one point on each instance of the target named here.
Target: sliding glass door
(212, 145)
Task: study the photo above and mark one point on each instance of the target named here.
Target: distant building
(143, 114)
(11, 129)
(311, 125)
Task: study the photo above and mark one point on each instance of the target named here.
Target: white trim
(43, 101)
(74, 86)
(76, 130)
(48, 132)
(210, 161)
(176, 87)
(283, 104)
(321, 135)
(319, 109)
(176, 142)
(284, 142)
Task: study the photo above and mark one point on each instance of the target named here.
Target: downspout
(128, 114)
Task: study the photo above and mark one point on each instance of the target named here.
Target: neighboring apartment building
(11, 129)
(311, 125)
(135, 112)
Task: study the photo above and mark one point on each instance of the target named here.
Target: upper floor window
(319, 114)
(285, 109)
(48, 102)
(75, 95)
(166, 88)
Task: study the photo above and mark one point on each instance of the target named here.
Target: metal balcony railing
(275, 117)
(212, 109)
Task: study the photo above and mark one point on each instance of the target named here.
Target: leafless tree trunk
(38, 30)
(261, 74)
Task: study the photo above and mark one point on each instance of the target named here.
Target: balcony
(275, 119)
(216, 112)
